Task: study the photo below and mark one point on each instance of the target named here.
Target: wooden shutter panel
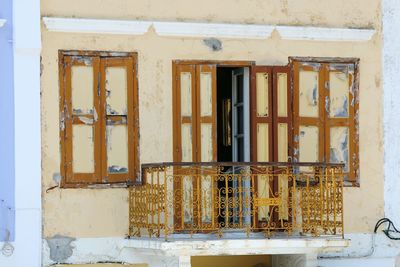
(80, 129)
(195, 132)
(341, 106)
(261, 125)
(118, 96)
(194, 109)
(184, 109)
(308, 113)
(261, 116)
(282, 125)
(282, 122)
(206, 113)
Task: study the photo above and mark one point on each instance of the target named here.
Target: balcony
(249, 199)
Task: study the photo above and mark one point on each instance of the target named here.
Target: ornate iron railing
(272, 198)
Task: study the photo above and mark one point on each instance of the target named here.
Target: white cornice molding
(196, 29)
(324, 34)
(2, 22)
(101, 26)
(222, 30)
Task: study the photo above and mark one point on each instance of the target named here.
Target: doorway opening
(233, 140)
(233, 114)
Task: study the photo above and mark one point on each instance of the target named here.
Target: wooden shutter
(282, 136)
(261, 115)
(325, 114)
(341, 146)
(80, 125)
(261, 121)
(118, 114)
(282, 114)
(184, 109)
(195, 134)
(195, 113)
(308, 113)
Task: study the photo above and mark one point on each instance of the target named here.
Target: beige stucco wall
(104, 212)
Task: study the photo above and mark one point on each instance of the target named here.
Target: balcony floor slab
(202, 245)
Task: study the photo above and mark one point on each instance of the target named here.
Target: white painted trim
(28, 203)
(101, 26)
(391, 107)
(2, 22)
(200, 30)
(324, 34)
(222, 30)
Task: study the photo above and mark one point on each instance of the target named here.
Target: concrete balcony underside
(284, 252)
(235, 244)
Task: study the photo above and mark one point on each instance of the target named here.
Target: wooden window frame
(351, 122)
(100, 177)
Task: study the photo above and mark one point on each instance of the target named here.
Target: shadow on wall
(232, 261)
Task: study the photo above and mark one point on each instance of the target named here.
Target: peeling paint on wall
(213, 43)
(60, 247)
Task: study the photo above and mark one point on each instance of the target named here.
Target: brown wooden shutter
(80, 124)
(282, 113)
(261, 114)
(206, 113)
(195, 134)
(118, 115)
(282, 144)
(308, 113)
(184, 110)
(341, 144)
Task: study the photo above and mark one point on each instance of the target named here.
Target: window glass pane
(82, 89)
(308, 90)
(262, 94)
(206, 94)
(117, 148)
(339, 94)
(187, 142)
(262, 142)
(116, 90)
(82, 149)
(339, 146)
(186, 94)
(282, 95)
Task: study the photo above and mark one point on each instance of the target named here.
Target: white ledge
(240, 246)
(2, 22)
(324, 34)
(223, 30)
(195, 29)
(102, 26)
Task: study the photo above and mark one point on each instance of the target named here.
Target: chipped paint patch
(213, 43)
(60, 247)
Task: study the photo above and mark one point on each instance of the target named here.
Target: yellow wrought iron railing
(271, 198)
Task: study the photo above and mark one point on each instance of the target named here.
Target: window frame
(100, 178)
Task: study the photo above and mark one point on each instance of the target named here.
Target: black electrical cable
(390, 229)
